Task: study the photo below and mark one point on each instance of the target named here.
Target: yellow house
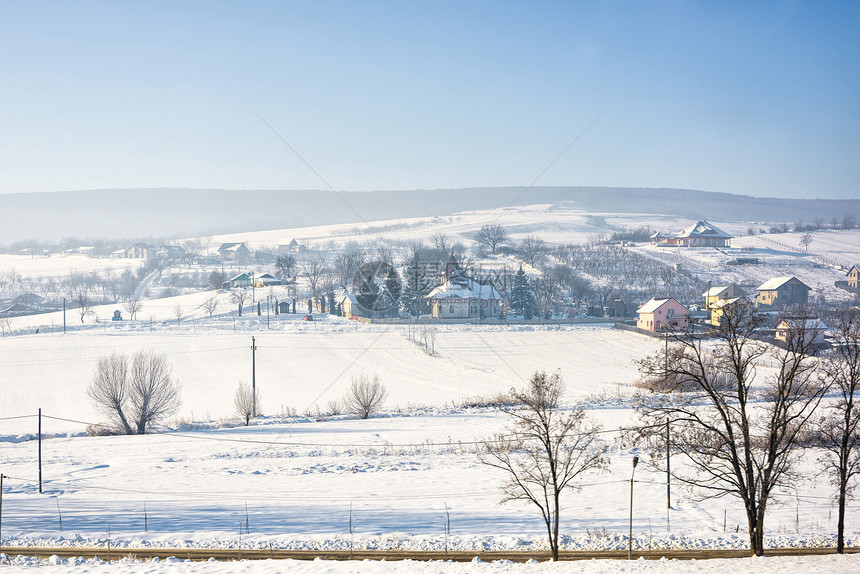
(853, 276)
(782, 292)
(719, 308)
(810, 328)
(716, 298)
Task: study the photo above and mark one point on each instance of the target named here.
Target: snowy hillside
(302, 365)
(302, 469)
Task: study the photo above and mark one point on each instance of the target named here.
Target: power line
(507, 438)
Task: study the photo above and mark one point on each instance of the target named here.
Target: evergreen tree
(366, 287)
(417, 283)
(522, 297)
(332, 306)
(393, 288)
(377, 288)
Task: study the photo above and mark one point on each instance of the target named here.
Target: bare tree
(805, 241)
(215, 280)
(580, 288)
(5, 326)
(313, 268)
(154, 393)
(840, 428)
(109, 390)
(210, 305)
(546, 294)
(738, 435)
(132, 306)
(135, 393)
(82, 299)
(286, 264)
(441, 242)
(534, 250)
(335, 407)
(365, 397)
(491, 236)
(545, 450)
(347, 263)
(384, 253)
(178, 312)
(246, 402)
(239, 296)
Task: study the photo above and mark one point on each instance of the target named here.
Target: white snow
(846, 564)
(300, 475)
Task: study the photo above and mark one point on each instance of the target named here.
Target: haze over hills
(118, 213)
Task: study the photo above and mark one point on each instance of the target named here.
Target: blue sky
(757, 98)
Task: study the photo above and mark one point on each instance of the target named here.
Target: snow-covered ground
(302, 476)
(58, 266)
(400, 475)
(303, 365)
(846, 564)
(551, 223)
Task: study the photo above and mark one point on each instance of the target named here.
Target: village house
(462, 297)
(234, 252)
(240, 280)
(781, 293)
(291, 247)
(721, 307)
(812, 329)
(700, 234)
(267, 280)
(17, 309)
(171, 253)
(717, 298)
(348, 306)
(139, 251)
(662, 314)
(853, 277)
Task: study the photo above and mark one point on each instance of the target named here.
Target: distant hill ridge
(190, 212)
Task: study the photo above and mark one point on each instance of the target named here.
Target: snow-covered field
(301, 476)
(302, 473)
(303, 365)
(58, 266)
(551, 223)
(846, 564)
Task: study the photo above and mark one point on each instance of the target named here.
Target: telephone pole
(1, 506)
(40, 451)
(253, 377)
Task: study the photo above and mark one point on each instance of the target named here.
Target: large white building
(462, 297)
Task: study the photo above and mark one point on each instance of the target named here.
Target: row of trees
(106, 285)
(739, 434)
(137, 392)
(845, 221)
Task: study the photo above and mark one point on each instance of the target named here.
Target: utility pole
(40, 451)
(64, 315)
(268, 304)
(253, 377)
(668, 473)
(1, 507)
(666, 356)
(630, 531)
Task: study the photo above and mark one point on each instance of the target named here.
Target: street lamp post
(630, 531)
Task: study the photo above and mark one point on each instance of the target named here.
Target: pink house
(662, 314)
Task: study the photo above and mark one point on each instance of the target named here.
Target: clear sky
(758, 98)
